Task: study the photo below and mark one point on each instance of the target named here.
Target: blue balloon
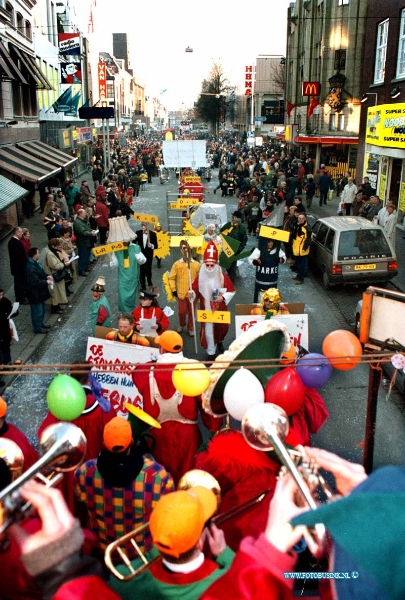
(314, 369)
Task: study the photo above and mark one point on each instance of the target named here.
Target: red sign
(102, 81)
(311, 88)
(249, 80)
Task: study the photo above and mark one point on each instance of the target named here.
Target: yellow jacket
(178, 278)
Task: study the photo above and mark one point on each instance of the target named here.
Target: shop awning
(28, 61)
(10, 192)
(45, 151)
(16, 161)
(326, 139)
(8, 67)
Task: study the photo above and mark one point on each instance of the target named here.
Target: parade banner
(116, 380)
(108, 248)
(274, 234)
(184, 153)
(194, 241)
(184, 203)
(217, 316)
(297, 326)
(143, 218)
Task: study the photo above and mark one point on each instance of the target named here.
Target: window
(10, 10)
(342, 2)
(20, 23)
(381, 52)
(341, 122)
(401, 47)
(332, 122)
(28, 30)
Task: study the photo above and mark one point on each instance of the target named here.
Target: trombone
(265, 427)
(62, 447)
(193, 478)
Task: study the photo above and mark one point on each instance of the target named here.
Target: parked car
(352, 250)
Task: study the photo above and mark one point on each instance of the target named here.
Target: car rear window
(363, 243)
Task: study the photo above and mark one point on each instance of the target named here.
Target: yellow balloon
(191, 378)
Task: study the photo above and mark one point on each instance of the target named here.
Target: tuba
(62, 447)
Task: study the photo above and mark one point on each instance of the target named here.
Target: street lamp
(365, 96)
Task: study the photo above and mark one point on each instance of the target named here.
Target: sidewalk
(29, 342)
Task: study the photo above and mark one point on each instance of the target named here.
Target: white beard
(208, 281)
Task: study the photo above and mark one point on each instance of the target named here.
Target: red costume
(149, 312)
(179, 439)
(11, 432)
(257, 572)
(242, 472)
(311, 415)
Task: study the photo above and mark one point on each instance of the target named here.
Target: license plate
(364, 267)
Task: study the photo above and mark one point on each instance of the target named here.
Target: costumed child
(266, 259)
(149, 309)
(271, 305)
(100, 310)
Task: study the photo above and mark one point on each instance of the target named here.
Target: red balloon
(285, 389)
(343, 349)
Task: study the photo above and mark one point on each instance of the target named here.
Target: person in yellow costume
(271, 304)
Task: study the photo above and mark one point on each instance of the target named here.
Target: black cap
(147, 295)
(237, 214)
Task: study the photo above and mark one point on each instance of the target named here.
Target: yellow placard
(385, 125)
(139, 218)
(209, 316)
(191, 178)
(226, 248)
(274, 233)
(184, 203)
(194, 241)
(402, 197)
(108, 248)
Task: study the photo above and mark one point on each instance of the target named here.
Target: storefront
(82, 142)
(384, 156)
(337, 153)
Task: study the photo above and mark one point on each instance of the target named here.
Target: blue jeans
(37, 315)
(84, 258)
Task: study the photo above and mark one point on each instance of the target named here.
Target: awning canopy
(9, 69)
(34, 71)
(25, 165)
(45, 151)
(326, 139)
(10, 192)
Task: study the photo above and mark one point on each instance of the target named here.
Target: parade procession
(202, 302)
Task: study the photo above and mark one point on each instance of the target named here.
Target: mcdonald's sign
(311, 88)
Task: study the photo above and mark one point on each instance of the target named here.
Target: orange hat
(117, 435)
(211, 253)
(3, 408)
(178, 519)
(171, 341)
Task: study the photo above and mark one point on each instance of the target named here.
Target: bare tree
(211, 104)
(278, 77)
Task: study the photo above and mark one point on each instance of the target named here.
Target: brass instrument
(191, 479)
(13, 457)
(265, 427)
(62, 447)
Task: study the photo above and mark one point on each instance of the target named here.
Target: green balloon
(66, 398)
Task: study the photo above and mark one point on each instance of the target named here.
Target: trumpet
(265, 427)
(191, 479)
(62, 447)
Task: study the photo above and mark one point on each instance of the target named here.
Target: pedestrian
(266, 259)
(71, 192)
(101, 214)
(309, 190)
(38, 282)
(5, 335)
(18, 261)
(324, 184)
(26, 240)
(84, 236)
(135, 183)
(348, 195)
(214, 290)
(253, 215)
(60, 201)
(55, 265)
(181, 277)
(390, 225)
(147, 241)
(301, 243)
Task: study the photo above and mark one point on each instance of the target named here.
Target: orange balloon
(288, 358)
(343, 349)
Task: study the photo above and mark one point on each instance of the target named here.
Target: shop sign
(386, 125)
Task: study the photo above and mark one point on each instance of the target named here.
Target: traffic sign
(250, 134)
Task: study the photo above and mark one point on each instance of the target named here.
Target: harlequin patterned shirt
(114, 511)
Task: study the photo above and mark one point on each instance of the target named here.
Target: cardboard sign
(297, 326)
(108, 248)
(226, 248)
(190, 179)
(139, 218)
(274, 233)
(116, 380)
(217, 316)
(194, 241)
(184, 203)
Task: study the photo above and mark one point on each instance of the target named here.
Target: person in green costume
(100, 310)
(129, 259)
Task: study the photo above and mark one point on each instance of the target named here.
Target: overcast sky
(230, 34)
